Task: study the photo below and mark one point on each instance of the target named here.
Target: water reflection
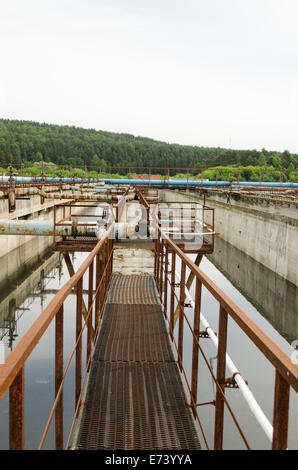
(15, 303)
(273, 296)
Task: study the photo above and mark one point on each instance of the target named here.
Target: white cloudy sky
(199, 72)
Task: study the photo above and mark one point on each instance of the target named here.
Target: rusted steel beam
(97, 301)
(90, 311)
(161, 268)
(78, 368)
(12, 371)
(181, 315)
(221, 379)
(59, 378)
(172, 300)
(195, 346)
(71, 272)
(16, 412)
(165, 303)
(281, 413)
(272, 352)
(188, 284)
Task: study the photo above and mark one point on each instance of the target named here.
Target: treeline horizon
(31, 143)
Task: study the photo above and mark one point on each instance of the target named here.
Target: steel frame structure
(167, 253)
(97, 268)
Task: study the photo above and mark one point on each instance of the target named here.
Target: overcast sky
(199, 72)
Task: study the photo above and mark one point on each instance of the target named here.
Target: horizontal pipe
(43, 228)
(185, 183)
(80, 197)
(166, 183)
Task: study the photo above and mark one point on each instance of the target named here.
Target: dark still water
(16, 319)
(268, 300)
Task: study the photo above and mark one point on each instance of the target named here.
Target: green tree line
(31, 142)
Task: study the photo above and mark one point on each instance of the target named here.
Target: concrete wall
(272, 295)
(266, 231)
(19, 253)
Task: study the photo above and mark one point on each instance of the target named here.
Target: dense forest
(31, 142)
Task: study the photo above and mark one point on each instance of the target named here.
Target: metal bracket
(203, 334)
(231, 383)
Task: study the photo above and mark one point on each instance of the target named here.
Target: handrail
(286, 371)
(12, 371)
(273, 353)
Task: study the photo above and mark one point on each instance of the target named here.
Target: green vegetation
(32, 143)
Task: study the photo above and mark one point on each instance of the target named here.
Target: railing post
(165, 303)
(105, 267)
(89, 321)
(79, 346)
(59, 378)
(111, 260)
(157, 261)
(195, 346)
(101, 295)
(16, 412)
(97, 301)
(161, 267)
(181, 313)
(172, 311)
(221, 376)
(281, 413)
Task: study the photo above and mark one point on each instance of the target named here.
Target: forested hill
(68, 145)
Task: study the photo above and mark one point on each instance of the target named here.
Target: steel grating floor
(135, 398)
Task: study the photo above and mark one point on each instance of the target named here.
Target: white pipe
(248, 396)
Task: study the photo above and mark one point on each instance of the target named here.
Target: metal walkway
(135, 398)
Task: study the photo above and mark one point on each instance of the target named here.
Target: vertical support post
(173, 270)
(97, 300)
(195, 346)
(16, 412)
(165, 288)
(281, 413)
(79, 345)
(106, 267)
(221, 376)
(59, 378)
(181, 313)
(161, 267)
(111, 248)
(102, 294)
(103, 265)
(89, 321)
(54, 229)
(157, 260)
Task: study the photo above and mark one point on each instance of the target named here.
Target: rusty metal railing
(98, 268)
(167, 257)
